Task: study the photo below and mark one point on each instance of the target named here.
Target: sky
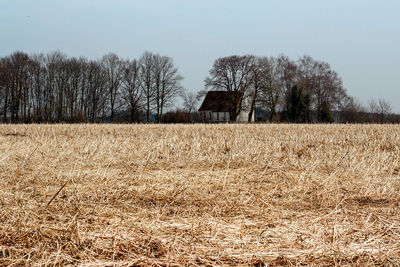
(360, 39)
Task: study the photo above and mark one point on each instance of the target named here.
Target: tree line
(55, 88)
(306, 90)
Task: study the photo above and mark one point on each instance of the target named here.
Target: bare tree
(97, 92)
(384, 108)
(254, 90)
(54, 86)
(372, 105)
(328, 86)
(351, 110)
(168, 87)
(161, 83)
(189, 101)
(373, 110)
(113, 67)
(83, 93)
(37, 84)
(61, 84)
(306, 74)
(131, 85)
(233, 74)
(287, 75)
(74, 70)
(19, 75)
(271, 85)
(321, 84)
(5, 84)
(146, 63)
(156, 70)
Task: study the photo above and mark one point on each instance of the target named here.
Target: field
(127, 195)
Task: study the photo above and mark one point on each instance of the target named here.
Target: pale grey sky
(359, 38)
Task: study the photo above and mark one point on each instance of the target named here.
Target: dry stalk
(56, 194)
(183, 195)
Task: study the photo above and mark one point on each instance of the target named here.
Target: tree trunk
(5, 109)
(132, 114)
(272, 115)
(148, 110)
(253, 103)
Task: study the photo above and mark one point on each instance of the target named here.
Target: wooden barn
(218, 106)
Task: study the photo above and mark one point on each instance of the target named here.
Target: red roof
(219, 101)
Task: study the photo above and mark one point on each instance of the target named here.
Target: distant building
(218, 106)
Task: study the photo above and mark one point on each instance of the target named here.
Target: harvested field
(126, 195)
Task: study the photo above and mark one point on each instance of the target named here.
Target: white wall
(220, 116)
(216, 116)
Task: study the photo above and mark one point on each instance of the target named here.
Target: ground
(127, 195)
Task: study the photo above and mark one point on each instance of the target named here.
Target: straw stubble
(124, 195)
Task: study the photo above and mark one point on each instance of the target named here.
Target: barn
(218, 105)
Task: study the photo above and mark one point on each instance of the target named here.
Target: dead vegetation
(128, 195)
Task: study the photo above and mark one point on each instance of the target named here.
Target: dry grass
(199, 195)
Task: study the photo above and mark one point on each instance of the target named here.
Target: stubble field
(173, 195)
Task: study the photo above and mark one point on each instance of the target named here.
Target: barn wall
(206, 115)
(224, 116)
(215, 116)
(209, 116)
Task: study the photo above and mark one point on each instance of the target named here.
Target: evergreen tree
(325, 113)
(298, 105)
